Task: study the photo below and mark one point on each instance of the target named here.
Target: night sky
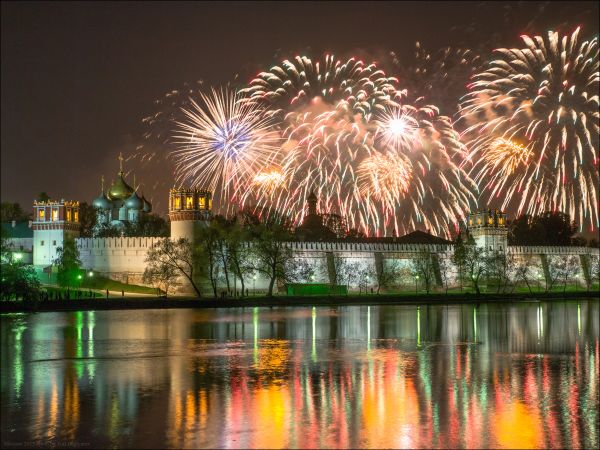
(78, 78)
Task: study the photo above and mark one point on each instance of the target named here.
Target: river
(517, 375)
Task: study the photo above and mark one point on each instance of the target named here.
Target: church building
(120, 204)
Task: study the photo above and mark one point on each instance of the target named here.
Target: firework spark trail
(223, 144)
(534, 122)
(350, 133)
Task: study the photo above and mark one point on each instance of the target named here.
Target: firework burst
(536, 108)
(355, 139)
(223, 144)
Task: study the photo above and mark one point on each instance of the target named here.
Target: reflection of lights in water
(18, 359)
(255, 324)
(475, 324)
(225, 400)
(314, 334)
(516, 426)
(418, 326)
(368, 328)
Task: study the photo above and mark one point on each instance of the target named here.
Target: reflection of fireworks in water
(223, 144)
(546, 97)
(336, 115)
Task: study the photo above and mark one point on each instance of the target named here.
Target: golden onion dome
(120, 190)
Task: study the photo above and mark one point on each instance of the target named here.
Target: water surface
(502, 376)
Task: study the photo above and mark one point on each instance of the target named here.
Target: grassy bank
(383, 299)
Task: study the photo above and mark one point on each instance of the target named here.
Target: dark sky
(78, 78)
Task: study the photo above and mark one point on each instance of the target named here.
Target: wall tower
(52, 222)
(488, 228)
(188, 209)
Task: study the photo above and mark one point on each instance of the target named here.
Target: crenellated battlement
(551, 250)
(117, 242)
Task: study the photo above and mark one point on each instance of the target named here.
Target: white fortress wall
(120, 258)
(124, 258)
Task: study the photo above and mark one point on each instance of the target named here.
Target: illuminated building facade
(52, 222)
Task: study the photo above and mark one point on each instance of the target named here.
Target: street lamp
(416, 284)
(18, 256)
(254, 285)
(90, 274)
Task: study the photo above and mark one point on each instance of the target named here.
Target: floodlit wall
(123, 259)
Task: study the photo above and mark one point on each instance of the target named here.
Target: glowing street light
(90, 273)
(18, 256)
(416, 284)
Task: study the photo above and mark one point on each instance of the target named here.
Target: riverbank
(179, 302)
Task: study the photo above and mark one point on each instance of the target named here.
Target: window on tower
(68, 214)
(177, 203)
(54, 215)
(490, 220)
(42, 215)
(202, 202)
(76, 218)
(189, 202)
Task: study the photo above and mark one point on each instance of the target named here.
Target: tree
(108, 230)
(271, 251)
(561, 268)
(299, 270)
(365, 272)
(13, 211)
(595, 269)
(162, 274)
(497, 269)
(579, 241)
(87, 220)
(207, 256)
(177, 255)
(148, 225)
(387, 274)
(43, 197)
(68, 263)
(459, 258)
(445, 265)
(471, 261)
(549, 228)
(18, 279)
(423, 266)
(239, 252)
(522, 269)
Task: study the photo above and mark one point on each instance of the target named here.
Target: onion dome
(134, 202)
(101, 202)
(147, 205)
(120, 190)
